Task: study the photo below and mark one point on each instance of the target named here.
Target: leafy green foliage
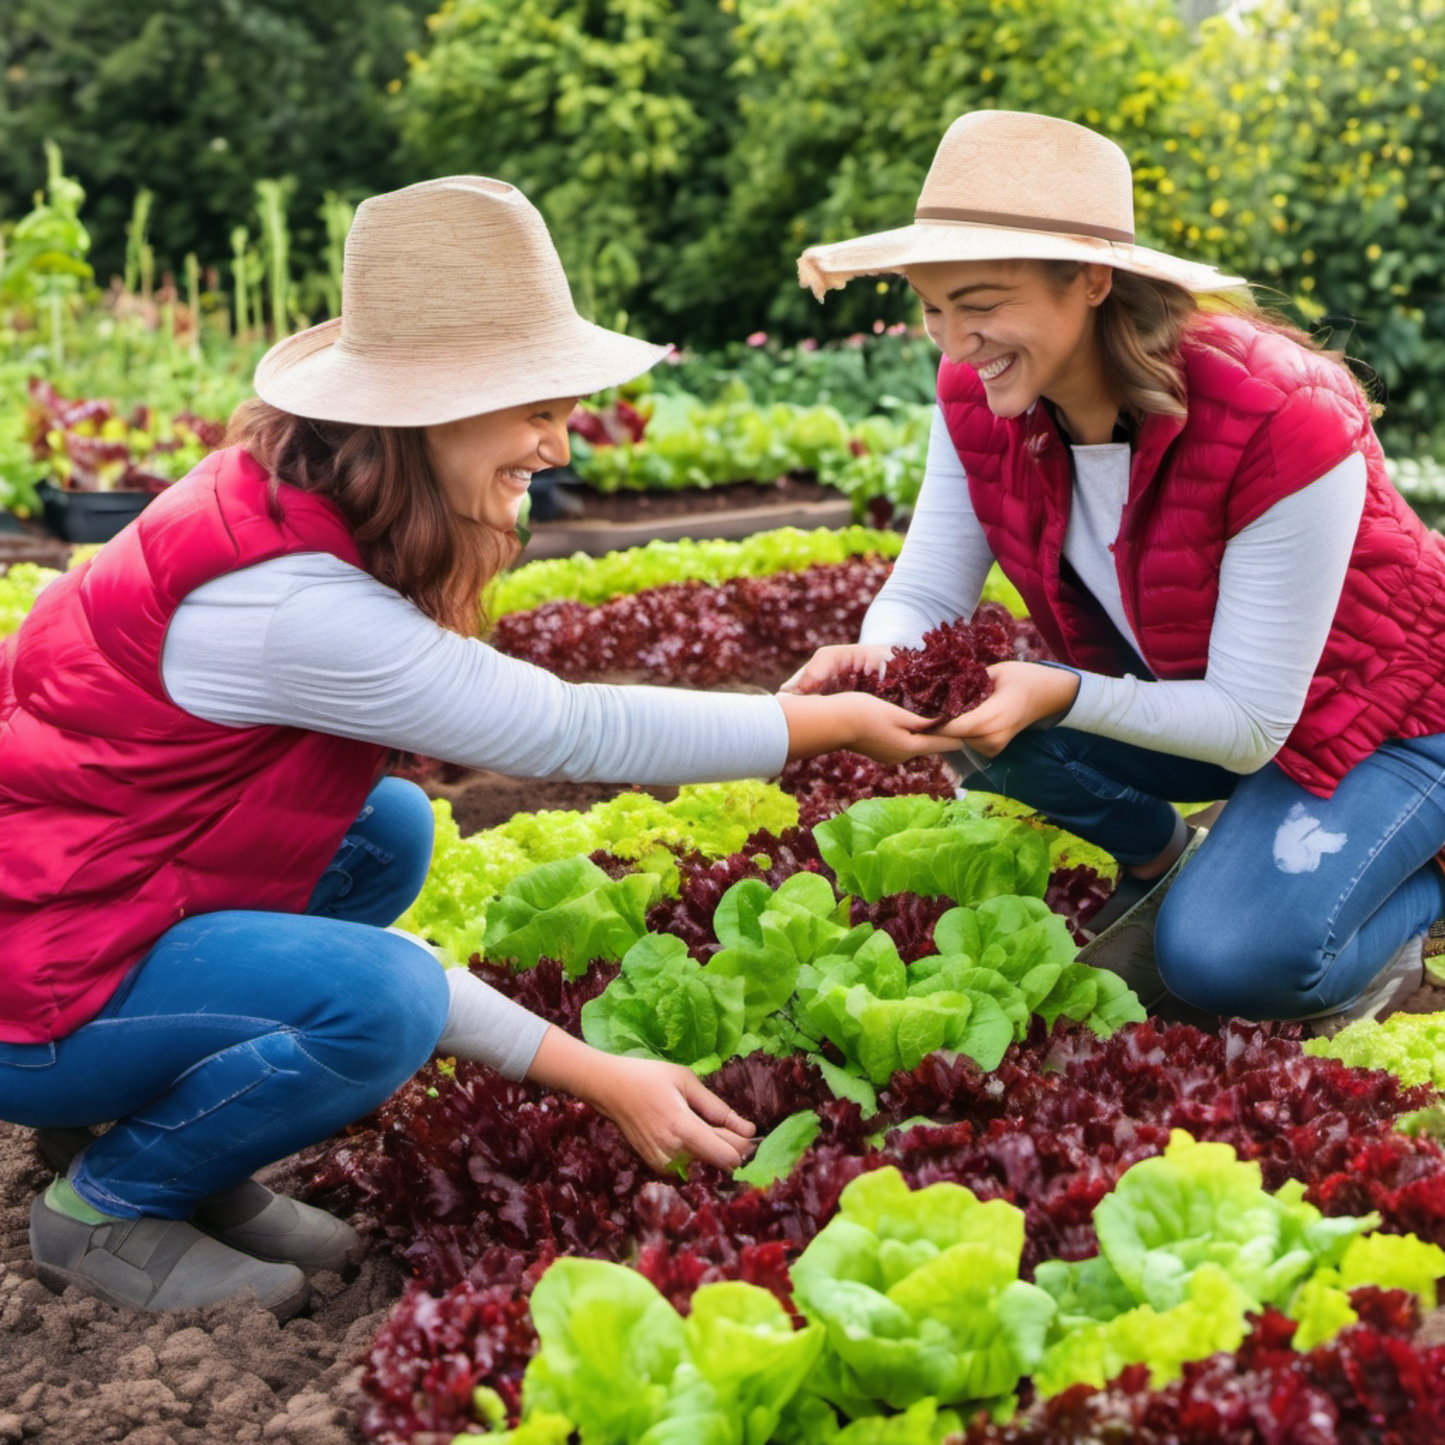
(665, 1005)
(1189, 1242)
(569, 910)
(606, 115)
(924, 845)
(19, 587)
(920, 1296)
(622, 1366)
(196, 101)
(1304, 147)
(467, 874)
(1410, 1046)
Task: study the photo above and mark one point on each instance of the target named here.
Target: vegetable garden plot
(972, 1154)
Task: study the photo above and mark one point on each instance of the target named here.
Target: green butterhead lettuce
(921, 845)
(571, 911)
(619, 1363)
(920, 1296)
(1189, 1242)
(665, 1005)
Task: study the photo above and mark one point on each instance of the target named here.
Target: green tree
(1306, 152)
(610, 115)
(196, 100)
(843, 103)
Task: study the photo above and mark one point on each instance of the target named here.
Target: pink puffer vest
(1266, 417)
(120, 814)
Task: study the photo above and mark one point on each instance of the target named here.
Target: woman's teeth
(995, 368)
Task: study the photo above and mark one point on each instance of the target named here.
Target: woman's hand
(1023, 693)
(864, 724)
(665, 1112)
(827, 662)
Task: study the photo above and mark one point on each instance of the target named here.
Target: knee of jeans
(1232, 962)
(392, 1018)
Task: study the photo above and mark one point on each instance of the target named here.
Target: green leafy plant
(569, 910)
(920, 1295)
(922, 845)
(1188, 1243)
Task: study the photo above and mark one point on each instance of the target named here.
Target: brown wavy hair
(381, 478)
(1143, 321)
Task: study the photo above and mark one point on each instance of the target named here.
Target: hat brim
(313, 374)
(823, 268)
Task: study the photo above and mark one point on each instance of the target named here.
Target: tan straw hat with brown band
(453, 302)
(1005, 185)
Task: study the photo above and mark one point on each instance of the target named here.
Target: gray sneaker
(1126, 947)
(1398, 980)
(155, 1264)
(275, 1227)
(248, 1216)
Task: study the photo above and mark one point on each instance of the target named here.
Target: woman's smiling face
(484, 463)
(1025, 334)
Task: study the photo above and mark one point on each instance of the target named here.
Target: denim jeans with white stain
(1293, 903)
(244, 1036)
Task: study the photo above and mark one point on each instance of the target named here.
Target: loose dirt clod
(76, 1369)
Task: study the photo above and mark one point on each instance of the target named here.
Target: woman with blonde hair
(1193, 503)
(199, 853)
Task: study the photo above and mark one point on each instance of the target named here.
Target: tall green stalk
(135, 237)
(337, 213)
(276, 240)
(193, 300)
(240, 267)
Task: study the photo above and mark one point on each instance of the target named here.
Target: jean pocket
(27, 1056)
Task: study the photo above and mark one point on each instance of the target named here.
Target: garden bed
(611, 521)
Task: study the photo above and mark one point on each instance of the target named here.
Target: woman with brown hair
(1193, 503)
(200, 856)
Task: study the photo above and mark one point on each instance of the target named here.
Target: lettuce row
(19, 587)
(792, 973)
(1410, 1046)
(468, 874)
(1189, 1242)
(915, 1315)
(594, 580)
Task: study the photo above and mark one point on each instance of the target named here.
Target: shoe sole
(57, 1280)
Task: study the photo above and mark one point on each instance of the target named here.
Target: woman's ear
(1098, 283)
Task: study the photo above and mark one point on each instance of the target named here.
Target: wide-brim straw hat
(453, 303)
(1005, 185)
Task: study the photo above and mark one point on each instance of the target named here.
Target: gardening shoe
(248, 1216)
(270, 1226)
(1126, 946)
(155, 1264)
(1401, 977)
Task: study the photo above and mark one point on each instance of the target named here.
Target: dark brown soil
(649, 506)
(76, 1370)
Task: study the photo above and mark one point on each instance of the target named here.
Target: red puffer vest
(121, 814)
(1265, 418)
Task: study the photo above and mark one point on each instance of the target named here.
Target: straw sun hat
(1010, 186)
(453, 302)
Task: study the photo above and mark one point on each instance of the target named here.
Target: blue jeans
(1293, 903)
(244, 1036)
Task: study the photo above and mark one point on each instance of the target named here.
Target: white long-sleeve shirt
(309, 641)
(1279, 586)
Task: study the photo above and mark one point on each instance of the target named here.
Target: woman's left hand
(1023, 693)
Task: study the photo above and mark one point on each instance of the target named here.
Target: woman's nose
(553, 446)
(960, 339)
